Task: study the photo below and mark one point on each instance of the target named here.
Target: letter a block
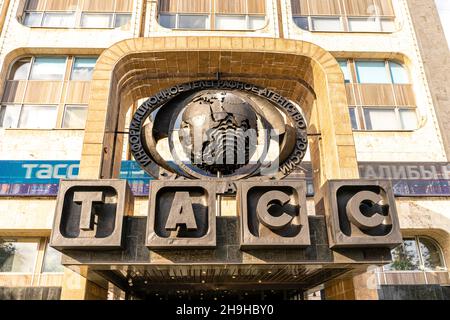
(273, 214)
(182, 214)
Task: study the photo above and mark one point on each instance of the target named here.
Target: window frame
(35, 240)
(60, 106)
(421, 267)
(396, 110)
(77, 17)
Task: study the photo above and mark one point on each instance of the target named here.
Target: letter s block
(361, 214)
(273, 214)
(90, 214)
(182, 214)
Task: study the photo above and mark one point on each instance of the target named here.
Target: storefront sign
(41, 178)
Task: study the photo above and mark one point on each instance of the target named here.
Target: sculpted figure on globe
(218, 128)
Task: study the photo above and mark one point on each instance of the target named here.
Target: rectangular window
(51, 68)
(364, 24)
(354, 118)
(32, 19)
(193, 21)
(231, 22)
(18, 256)
(381, 119)
(326, 24)
(9, 116)
(59, 20)
(52, 261)
(346, 70)
(96, 20)
(256, 22)
(83, 69)
(75, 117)
(38, 117)
(372, 72)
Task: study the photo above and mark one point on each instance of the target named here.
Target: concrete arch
(301, 71)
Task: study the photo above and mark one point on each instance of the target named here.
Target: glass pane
(364, 25)
(59, 20)
(353, 119)
(96, 20)
(167, 21)
(431, 255)
(38, 117)
(9, 116)
(231, 22)
(372, 72)
(32, 19)
(388, 25)
(192, 22)
(405, 257)
(381, 119)
(48, 68)
(326, 24)
(399, 73)
(408, 117)
(83, 69)
(18, 257)
(256, 22)
(302, 22)
(20, 69)
(122, 20)
(52, 261)
(346, 71)
(75, 117)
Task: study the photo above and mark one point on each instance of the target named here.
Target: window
(20, 69)
(192, 21)
(18, 256)
(38, 117)
(78, 14)
(48, 68)
(372, 72)
(354, 118)
(387, 119)
(398, 73)
(326, 24)
(344, 15)
(212, 14)
(66, 83)
(58, 19)
(52, 261)
(75, 117)
(418, 253)
(346, 71)
(83, 69)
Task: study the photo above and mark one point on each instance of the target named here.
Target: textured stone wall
(432, 44)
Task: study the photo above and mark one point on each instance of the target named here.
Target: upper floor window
(376, 72)
(47, 92)
(418, 253)
(212, 14)
(77, 13)
(344, 15)
(380, 95)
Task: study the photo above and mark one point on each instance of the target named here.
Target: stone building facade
(370, 75)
